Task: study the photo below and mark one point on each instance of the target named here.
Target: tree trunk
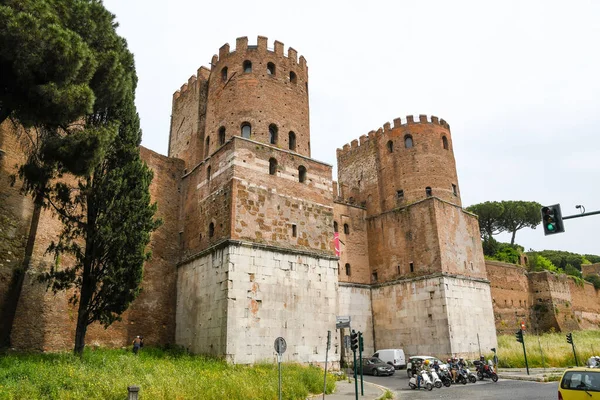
(83, 312)
(16, 287)
(512, 239)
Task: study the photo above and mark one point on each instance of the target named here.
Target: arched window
(348, 269)
(335, 226)
(270, 68)
(224, 74)
(445, 142)
(272, 166)
(390, 146)
(273, 134)
(211, 230)
(408, 141)
(428, 192)
(293, 78)
(246, 130)
(247, 66)
(301, 174)
(208, 173)
(292, 141)
(207, 146)
(221, 136)
(346, 229)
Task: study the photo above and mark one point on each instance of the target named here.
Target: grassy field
(105, 374)
(553, 346)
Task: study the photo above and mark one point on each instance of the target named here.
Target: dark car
(374, 366)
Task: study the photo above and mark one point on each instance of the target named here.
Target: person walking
(137, 343)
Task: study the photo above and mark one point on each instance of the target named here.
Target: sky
(518, 82)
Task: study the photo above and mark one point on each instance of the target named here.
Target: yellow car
(580, 384)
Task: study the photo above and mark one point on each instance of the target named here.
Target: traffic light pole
(355, 381)
(581, 215)
(524, 351)
(360, 350)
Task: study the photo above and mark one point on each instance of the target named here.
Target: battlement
(387, 127)
(241, 46)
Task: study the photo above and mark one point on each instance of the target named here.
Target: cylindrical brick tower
(260, 94)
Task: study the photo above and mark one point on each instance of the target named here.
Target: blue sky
(518, 82)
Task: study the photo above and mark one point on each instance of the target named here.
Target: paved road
(484, 390)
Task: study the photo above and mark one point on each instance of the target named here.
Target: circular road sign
(280, 345)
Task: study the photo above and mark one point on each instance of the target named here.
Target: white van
(393, 357)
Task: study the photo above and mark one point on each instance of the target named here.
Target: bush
(594, 279)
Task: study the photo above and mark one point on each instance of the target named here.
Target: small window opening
(208, 173)
(398, 268)
(408, 141)
(211, 230)
(246, 130)
(346, 229)
(272, 166)
(412, 267)
(348, 269)
(428, 191)
(224, 74)
(294, 232)
(270, 68)
(207, 146)
(293, 78)
(445, 142)
(221, 136)
(292, 141)
(247, 66)
(400, 194)
(454, 192)
(335, 226)
(374, 276)
(273, 134)
(301, 174)
(390, 146)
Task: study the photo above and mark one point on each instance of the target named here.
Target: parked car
(422, 358)
(579, 383)
(394, 357)
(375, 366)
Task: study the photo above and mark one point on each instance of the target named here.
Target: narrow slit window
(247, 66)
(445, 142)
(454, 192)
(272, 166)
(428, 191)
(211, 230)
(294, 230)
(292, 141)
(273, 134)
(374, 276)
(390, 146)
(208, 173)
(408, 141)
(293, 77)
(270, 68)
(224, 74)
(207, 147)
(412, 267)
(246, 130)
(346, 229)
(400, 194)
(335, 226)
(348, 270)
(301, 174)
(221, 136)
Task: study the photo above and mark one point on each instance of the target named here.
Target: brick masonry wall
(354, 246)
(588, 269)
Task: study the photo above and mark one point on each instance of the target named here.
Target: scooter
(462, 376)
(425, 381)
(487, 371)
(437, 382)
(445, 376)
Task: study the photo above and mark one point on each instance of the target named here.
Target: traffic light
(570, 338)
(519, 336)
(354, 340)
(361, 345)
(552, 220)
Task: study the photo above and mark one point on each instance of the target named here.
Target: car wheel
(375, 372)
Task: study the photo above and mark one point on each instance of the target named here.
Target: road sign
(342, 321)
(280, 345)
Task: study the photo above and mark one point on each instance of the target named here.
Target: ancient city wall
(238, 298)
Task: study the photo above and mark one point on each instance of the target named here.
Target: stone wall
(354, 300)
(354, 245)
(236, 299)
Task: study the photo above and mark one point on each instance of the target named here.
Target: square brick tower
(257, 211)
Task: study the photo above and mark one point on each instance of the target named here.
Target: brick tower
(257, 211)
(424, 263)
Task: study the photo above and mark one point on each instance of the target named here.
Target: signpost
(326, 353)
(280, 348)
(342, 321)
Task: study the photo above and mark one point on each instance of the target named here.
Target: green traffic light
(550, 227)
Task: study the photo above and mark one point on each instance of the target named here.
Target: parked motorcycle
(462, 376)
(445, 377)
(486, 371)
(437, 382)
(425, 381)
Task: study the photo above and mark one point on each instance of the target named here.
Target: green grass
(105, 374)
(554, 347)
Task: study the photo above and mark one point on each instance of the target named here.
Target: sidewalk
(344, 390)
(535, 374)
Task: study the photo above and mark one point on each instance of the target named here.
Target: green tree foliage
(592, 258)
(594, 279)
(571, 270)
(507, 253)
(506, 216)
(563, 258)
(538, 262)
(59, 60)
(107, 220)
